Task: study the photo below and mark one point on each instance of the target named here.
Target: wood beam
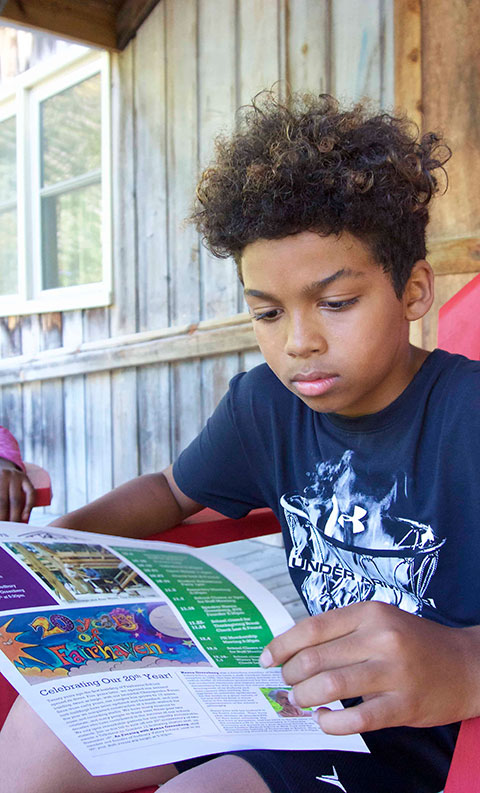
(130, 16)
(91, 22)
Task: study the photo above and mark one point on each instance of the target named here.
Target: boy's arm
(409, 671)
(146, 505)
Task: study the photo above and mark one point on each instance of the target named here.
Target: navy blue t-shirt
(379, 507)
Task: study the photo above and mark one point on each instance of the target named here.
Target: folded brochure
(138, 653)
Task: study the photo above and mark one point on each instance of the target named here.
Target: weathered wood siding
(437, 81)
(96, 412)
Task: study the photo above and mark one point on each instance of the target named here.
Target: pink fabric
(9, 448)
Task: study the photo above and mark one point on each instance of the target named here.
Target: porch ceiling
(109, 24)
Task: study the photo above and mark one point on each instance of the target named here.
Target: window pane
(8, 252)
(70, 132)
(8, 161)
(71, 237)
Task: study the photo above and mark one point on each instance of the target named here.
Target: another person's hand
(409, 671)
(17, 494)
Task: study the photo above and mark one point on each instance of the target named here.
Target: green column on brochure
(226, 623)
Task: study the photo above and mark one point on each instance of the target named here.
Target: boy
(364, 446)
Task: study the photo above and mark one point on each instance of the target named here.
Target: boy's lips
(313, 383)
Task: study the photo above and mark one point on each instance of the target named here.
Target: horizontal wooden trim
(461, 255)
(209, 338)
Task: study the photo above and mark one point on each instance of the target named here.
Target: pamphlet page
(138, 653)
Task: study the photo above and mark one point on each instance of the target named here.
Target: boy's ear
(419, 292)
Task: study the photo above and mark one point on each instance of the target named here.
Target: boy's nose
(304, 339)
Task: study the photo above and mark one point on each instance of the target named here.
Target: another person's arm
(143, 506)
(409, 671)
(17, 494)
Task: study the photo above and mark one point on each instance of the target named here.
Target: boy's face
(328, 322)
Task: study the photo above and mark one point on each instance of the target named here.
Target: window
(55, 229)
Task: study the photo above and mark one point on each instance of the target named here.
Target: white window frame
(30, 89)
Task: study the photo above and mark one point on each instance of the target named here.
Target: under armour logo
(332, 779)
(357, 525)
(336, 517)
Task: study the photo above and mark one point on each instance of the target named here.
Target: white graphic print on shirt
(351, 549)
(332, 779)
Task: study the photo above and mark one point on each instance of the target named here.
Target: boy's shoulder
(453, 386)
(257, 382)
(455, 373)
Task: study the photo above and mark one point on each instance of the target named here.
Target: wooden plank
(308, 46)
(124, 425)
(74, 407)
(261, 64)
(182, 166)
(150, 173)
(356, 50)
(130, 15)
(54, 363)
(259, 48)
(455, 255)
(408, 58)
(187, 406)
(123, 314)
(154, 418)
(90, 22)
(54, 442)
(31, 394)
(216, 375)
(98, 414)
(217, 104)
(153, 380)
(51, 337)
(451, 86)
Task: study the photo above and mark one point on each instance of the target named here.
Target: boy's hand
(408, 670)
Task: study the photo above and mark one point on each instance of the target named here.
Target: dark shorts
(414, 762)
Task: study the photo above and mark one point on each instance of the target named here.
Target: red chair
(40, 479)
(459, 331)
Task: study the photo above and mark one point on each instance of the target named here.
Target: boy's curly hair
(314, 166)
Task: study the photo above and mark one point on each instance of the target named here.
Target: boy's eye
(269, 316)
(338, 305)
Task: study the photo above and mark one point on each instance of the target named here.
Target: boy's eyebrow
(344, 272)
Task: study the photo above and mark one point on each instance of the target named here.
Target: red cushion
(464, 774)
(7, 697)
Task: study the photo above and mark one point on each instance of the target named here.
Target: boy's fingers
(342, 652)
(308, 633)
(346, 682)
(372, 714)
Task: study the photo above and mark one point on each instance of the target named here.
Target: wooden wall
(437, 81)
(101, 395)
